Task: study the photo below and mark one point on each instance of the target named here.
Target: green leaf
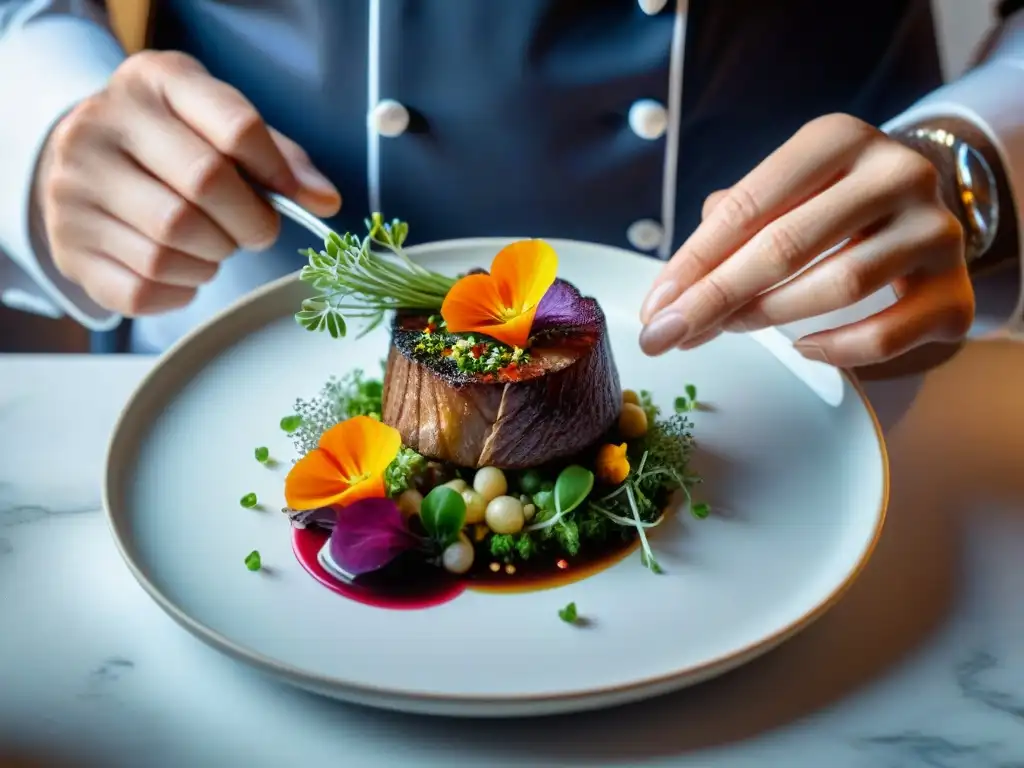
(443, 513)
(681, 404)
(262, 454)
(700, 510)
(249, 501)
(572, 487)
(253, 561)
(530, 481)
(291, 423)
(691, 391)
(568, 614)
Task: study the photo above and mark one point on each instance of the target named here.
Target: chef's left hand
(836, 179)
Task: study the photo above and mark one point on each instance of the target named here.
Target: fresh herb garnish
(443, 513)
(262, 454)
(253, 561)
(700, 510)
(249, 501)
(291, 423)
(687, 403)
(354, 281)
(568, 614)
(467, 353)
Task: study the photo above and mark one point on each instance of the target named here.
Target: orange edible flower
(612, 464)
(346, 467)
(503, 303)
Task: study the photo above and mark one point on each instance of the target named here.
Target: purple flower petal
(368, 535)
(564, 307)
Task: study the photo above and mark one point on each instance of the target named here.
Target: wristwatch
(969, 186)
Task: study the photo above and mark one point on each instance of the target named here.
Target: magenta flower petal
(368, 535)
(564, 307)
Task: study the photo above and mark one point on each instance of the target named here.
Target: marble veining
(93, 672)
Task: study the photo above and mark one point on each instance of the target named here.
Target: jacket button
(645, 235)
(389, 118)
(651, 7)
(648, 119)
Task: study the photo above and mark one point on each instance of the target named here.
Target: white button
(645, 235)
(648, 119)
(651, 7)
(389, 118)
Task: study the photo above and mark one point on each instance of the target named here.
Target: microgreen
(443, 513)
(572, 487)
(291, 423)
(355, 281)
(568, 614)
(253, 561)
(700, 510)
(262, 454)
(249, 501)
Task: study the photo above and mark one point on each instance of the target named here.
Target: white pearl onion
(476, 507)
(505, 515)
(458, 556)
(458, 485)
(490, 483)
(409, 502)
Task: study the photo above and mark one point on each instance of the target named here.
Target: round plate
(798, 489)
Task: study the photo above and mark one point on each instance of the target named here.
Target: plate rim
(389, 696)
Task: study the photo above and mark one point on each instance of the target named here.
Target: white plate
(799, 489)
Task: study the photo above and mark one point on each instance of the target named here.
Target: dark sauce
(410, 583)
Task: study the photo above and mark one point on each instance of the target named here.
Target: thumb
(316, 193)
(712, 201)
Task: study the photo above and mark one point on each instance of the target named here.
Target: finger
(127, 192)
(224, 118)
(936, 307)
(813, 159)
(711, 202)
(97, 231)
(701, 340)
(171, 151)
(929, 240)
(312, 195)
(114, 286)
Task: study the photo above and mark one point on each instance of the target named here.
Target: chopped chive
(249, 500)
(253, 561)
(291, 423)
(262, 454)
(700, 510)
(568, 614)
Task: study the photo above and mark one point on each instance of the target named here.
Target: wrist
(973, 186)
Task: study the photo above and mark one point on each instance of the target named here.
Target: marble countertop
(921, 664)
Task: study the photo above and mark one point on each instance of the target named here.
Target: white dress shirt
(55, 53)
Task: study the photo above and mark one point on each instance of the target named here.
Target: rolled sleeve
(49, 64)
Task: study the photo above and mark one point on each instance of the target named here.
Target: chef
(736, 140)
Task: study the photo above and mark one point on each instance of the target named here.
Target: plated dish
(796, 489)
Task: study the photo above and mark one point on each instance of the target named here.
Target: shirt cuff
(59, 61)
(991, 96)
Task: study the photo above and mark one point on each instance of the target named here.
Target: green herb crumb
(291, 423)
(262, 454)
(249, 501)
(253, 561)
(700, 510)
(568, 614)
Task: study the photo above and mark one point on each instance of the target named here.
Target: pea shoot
(253, 561)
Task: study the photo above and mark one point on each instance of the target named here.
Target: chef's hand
(139, 190)
(837, 178)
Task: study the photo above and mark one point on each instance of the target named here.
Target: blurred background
(961, 26)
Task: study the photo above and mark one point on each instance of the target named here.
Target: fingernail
(664, 331)
(811, 351)
(658, 298)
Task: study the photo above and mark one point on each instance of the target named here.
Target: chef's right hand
(139, 190)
